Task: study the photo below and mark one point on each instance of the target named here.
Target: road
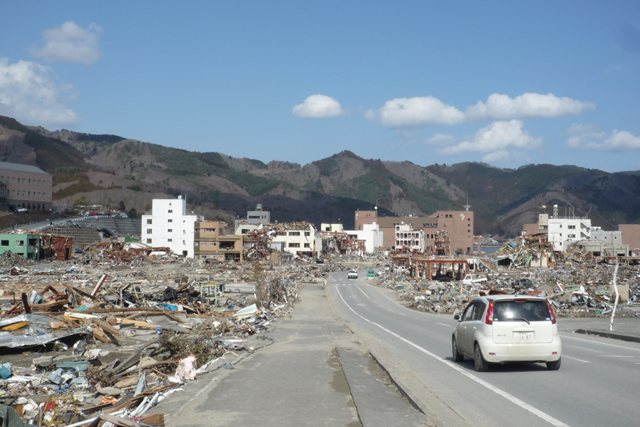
(596, 385)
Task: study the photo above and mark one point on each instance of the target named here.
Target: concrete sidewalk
(309, 376)
(624, 328)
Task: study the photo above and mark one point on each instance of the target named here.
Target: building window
(294, 233)
(149, 241)
(149, 221)
(307, 233)
(184, 231)
(572, 227)
(184, 242)
(149, 231)
(170, 221)
(171, 240)
(19, 243)
(204, 243)
(307, 245)
(294, 245)
(214, 244)
(571, 235)
(4, 243)
(170, 210)
(170, 230)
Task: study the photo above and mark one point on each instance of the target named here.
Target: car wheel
(457, 357)
(554, 366)
(480, 364)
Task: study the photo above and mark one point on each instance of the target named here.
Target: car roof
(499, 297)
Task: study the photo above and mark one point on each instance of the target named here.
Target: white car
(353, 274)
(507, 328)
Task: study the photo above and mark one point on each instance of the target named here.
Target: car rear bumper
(531, 352)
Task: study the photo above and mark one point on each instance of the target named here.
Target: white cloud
(416, 113)
(317, 107)
(419, 112)
(496, 141)
(591, 137)
(439, 139)
(70, 43)
(526, 106)
(29, 95)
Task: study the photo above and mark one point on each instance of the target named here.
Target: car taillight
(488, 319)
(553, 316)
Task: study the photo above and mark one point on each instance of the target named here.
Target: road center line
(522, 404)
(443, 324)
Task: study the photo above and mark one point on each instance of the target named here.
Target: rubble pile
(112, 334)
(574, 290)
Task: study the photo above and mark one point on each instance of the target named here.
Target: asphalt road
(596, 385)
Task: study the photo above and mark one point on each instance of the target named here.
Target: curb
(606, 334)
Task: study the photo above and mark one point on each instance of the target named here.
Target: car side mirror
(456, 317)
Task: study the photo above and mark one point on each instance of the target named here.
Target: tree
(122, 206)
(132, 213)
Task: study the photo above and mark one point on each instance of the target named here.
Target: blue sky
(506, 83)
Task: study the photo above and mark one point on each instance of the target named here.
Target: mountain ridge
(107, 169)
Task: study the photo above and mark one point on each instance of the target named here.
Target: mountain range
(113, 171)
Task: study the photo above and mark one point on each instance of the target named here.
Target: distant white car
(353, 274)
(507, 328)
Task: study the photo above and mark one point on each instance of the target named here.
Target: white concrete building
(407, 237)
(564, 230)
(333, 228)
(298, 239)
(244, 227)
(170, 226)
(371, 234)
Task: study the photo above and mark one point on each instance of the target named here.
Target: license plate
(523, 336)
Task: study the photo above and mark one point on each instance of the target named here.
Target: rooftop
(17, 167)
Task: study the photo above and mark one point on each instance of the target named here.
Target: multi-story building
(564, 230)
(24, 186)
(298, 238)
(458, 225)
(631, 237)
(209, 244)
(169, 226)
(258, 216)
(408, 238)
(541, 227)
(332, 228)
(370, 234)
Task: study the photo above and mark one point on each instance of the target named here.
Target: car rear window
(533, 311)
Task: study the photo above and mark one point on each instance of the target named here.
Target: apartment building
(210, 244)
(24, 186)
(170, 226)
